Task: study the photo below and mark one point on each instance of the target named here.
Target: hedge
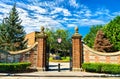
(102, 68)
(14, 67)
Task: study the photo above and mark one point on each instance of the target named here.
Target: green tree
(112, 31)
(90, 37)
(65, 44)
(66, 41)
(51, 38)
(12, 33)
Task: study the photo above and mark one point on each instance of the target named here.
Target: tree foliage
(90, 37)
(102, 43)
(12, 33)
(53, 37)
(112, 31)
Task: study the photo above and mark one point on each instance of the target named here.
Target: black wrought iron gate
(71, 59)
(47, 58)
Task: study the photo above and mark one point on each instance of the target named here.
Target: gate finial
(76, 34)
(42, 29)
(76, 29)
(42, 34)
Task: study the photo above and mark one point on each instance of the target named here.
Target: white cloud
(88, 13)
(37, 9)
(72, 25)
(48, 13)
(57, 10)
(24, 16)
(60, 10)
(102, 11)
(35, 25)
(89, 22)
(4, 9)
(116, 13)
(70, 20)
(31, 29)
(45, 3)
(59, 1)
(83, 12)
(54, 16)
(32, 24)
(85, 22)
(21, 5)
(3, 5)
(66, 12)
(74, 3)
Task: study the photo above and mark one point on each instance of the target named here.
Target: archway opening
(59, 58)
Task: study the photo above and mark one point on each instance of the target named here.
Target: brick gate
(76, 51)
(37, 53)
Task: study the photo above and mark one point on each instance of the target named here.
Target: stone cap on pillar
(76, 34)
(42, 34)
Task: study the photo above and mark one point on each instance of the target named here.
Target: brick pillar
(41, 56)
(76, 51)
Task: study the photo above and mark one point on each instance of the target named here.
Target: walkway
(58, 75)
(64, 67)
(54, 74)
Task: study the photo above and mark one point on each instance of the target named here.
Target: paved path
(64, 67)
(58, 75)
(56, 78)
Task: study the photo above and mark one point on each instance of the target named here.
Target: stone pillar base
(77, 69)
(41, 69)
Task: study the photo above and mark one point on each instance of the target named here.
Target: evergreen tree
(101, 43)
(12, 33)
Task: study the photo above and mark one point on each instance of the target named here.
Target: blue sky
(62, 14)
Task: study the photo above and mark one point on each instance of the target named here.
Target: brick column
(41, 56)
(76, 51)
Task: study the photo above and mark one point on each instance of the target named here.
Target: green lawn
(63, 59)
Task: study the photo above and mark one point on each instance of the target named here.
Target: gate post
(76, 51)
(41, 56)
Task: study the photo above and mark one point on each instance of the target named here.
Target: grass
(63, 59)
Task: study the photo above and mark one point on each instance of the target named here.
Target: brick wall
(31, 38)
(90, 55)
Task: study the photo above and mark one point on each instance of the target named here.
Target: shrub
(14, 67)
(111, 68)
(92, 67)
(102, 68)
